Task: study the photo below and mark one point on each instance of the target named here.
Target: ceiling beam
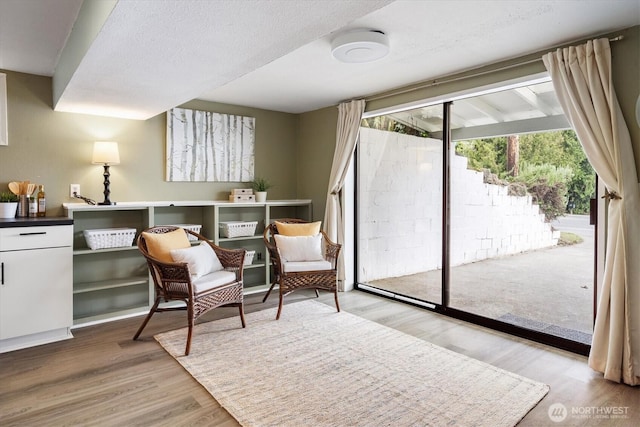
(91, 18)
(534, 100)
(540, 124)
(486, 109)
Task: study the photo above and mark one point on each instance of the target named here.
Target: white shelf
(236, 239)
(109, 317)
(255, 265)
(101, 297)
(182, 203)
(99, 251)
(101, 285)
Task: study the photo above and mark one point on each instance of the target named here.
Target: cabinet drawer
(18, 238)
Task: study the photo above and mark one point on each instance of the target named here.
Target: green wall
(316, 143)
(625, 60)
(55, 149)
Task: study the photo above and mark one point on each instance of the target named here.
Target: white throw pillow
(201, 259)
(300, 248)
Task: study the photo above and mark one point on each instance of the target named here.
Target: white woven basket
(238, 228)
(192, 227)
(248, 258)
(109, 237)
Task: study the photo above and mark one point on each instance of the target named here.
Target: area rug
(316, 367)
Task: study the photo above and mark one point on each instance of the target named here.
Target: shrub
(531, 174)
(550, 198)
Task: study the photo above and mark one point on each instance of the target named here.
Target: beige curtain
(581, 77)
(349, 118)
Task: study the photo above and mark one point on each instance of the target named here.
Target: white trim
(467, 93)
(348, 249)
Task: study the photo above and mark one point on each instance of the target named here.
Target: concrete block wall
(400, 210)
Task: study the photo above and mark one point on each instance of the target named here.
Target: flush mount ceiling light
(360, 46)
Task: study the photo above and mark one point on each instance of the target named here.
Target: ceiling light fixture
(360, 46)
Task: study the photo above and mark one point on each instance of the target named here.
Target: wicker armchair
(173, 282)
(290, 278)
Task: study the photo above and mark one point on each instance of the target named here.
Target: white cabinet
(35, 285)
(113, 283)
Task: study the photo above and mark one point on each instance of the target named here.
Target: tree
(388, 124)
(513, 154)
(555, 149)
(488, 153)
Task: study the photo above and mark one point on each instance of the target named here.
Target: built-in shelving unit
(113, 283)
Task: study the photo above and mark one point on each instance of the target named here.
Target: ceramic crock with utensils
(23, 190)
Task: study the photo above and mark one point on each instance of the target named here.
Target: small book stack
(242, 195)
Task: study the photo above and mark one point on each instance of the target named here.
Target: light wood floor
(103, 378)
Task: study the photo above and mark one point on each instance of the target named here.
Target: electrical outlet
(74, 188)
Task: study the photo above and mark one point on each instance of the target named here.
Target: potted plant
(8, 204)
(260, 186)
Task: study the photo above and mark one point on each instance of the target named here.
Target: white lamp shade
(105, 153)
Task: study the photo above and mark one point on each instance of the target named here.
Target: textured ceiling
(149, 56)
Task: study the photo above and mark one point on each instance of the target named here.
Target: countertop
(35, 222)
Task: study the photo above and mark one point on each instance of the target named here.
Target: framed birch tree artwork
(4, 133)
(207, 146)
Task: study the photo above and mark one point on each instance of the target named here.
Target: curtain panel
(582, 80)
(349, 118)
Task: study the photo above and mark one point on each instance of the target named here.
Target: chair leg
(191, 323)
(317, 293)
(269, 291)
(335, 295)
(146, 319)
(244, 324)
(279, 307)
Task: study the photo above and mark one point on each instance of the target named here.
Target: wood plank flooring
(103, 378)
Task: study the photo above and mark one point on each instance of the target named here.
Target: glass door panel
(521, 247)
(400, 204)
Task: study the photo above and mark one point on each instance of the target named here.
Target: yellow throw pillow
(304, 229)
(161, 245)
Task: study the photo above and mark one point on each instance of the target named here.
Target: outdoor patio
(549, 290)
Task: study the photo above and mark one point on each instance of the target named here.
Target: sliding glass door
(495, 228)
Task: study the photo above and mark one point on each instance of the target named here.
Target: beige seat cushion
(300, 266)
(213, 280)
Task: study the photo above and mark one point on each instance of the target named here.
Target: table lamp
(106, 154)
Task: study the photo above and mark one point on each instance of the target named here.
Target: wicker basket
(248, 258)
(191, 227)
(109, 238)
(238, 228)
